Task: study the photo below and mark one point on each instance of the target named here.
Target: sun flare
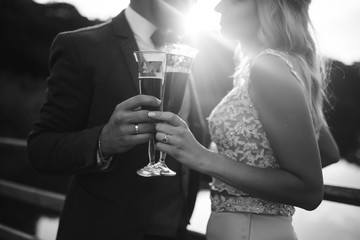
(335, 21)
(203, 16)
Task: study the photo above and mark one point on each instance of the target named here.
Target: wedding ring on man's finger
(164, 139)
(136, 128)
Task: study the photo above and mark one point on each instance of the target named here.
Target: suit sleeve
(60, 143)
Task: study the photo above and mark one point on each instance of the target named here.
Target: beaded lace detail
(239, 135)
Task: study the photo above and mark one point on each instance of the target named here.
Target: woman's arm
(286, 119)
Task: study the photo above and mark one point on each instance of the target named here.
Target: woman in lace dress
(269, 130)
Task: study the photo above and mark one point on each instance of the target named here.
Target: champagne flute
(179, 60)
(151, 72)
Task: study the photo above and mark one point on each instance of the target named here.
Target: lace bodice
(239, 135)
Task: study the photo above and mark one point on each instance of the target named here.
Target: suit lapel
(128, 45)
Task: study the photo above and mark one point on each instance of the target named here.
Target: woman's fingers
(168, 117)
(166, 128)
(169, 149)
(141, 138)
(172, 133)
(163, 137)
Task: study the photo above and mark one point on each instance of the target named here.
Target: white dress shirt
(142, 29)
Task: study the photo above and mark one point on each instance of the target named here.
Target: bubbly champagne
(174, 90)
(152, 87)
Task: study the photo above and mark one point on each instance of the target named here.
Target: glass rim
(192, 55)
(150, 51)
(183, 55)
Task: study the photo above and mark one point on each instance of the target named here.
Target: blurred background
(28, 28)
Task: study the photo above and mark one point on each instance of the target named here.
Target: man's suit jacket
(91, 71)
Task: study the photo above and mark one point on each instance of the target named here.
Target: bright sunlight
(335, 21)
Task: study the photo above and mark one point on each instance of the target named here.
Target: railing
(40, 198)
(54, 201)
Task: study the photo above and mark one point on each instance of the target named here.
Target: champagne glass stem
(151, 152)
(162, 157)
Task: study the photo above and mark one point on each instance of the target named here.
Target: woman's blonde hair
(285, 25)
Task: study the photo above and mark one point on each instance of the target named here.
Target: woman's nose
(220, 6)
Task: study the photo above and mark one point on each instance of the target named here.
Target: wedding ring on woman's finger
(136, 126)
(164, 139)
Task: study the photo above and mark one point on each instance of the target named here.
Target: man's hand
(128, 126)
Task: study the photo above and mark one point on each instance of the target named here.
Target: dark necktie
(160, 38)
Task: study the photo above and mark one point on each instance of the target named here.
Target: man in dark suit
(91, 127)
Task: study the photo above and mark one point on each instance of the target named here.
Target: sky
(336, 21)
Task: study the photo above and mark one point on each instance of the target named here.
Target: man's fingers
(139, 138)
(140, 128)
(139, 101)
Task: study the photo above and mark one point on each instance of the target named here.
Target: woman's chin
(229, 34)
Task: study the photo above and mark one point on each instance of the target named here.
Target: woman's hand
(175, 138)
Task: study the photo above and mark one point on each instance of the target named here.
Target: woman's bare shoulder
(272, 75)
